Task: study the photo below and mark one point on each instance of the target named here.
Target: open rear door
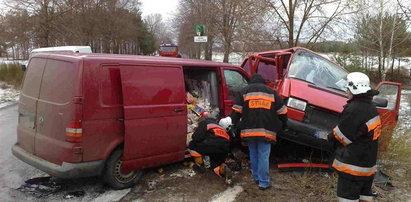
(389, 115)
(155, 116)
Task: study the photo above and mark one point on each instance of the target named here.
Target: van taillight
(74, 132)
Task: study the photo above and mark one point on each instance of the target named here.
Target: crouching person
(210, 139)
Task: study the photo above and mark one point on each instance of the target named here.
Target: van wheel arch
(112, 174)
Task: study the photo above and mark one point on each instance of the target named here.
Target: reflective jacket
(261, 110)
(355, 139)
(210, 138)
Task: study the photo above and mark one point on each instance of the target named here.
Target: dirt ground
(177, 182)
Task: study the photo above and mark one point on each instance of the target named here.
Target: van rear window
(32, 79)
(58, 82)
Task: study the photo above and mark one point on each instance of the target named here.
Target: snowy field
(8, 96)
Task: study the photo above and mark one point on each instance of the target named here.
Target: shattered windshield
(314, 69)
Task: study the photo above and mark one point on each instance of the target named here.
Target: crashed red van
(113, 115)
(314, 89)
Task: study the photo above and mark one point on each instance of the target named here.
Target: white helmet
(226, 123)
(358, 83)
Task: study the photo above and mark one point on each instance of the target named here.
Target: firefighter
(211, 140)
(263, 115)
(355, 141)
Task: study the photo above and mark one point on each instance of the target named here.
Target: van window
(247, 67)
(389, 92)
(32, 79)
(314, 69)
(58, 82)
(110, 89)
(235, 82)
(267, 70)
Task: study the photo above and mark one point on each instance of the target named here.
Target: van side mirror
(23, 67)
(380, 101)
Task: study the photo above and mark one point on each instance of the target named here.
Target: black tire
(113, 175)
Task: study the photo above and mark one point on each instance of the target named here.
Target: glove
(226, 123)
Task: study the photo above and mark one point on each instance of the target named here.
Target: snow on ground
(404, 117)
(8, 96)
(228, 195)
(5, 60)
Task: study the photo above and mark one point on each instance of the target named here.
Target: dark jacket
(261, 110)
(356, 139)
(210, 138)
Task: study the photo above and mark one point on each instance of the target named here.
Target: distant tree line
(108, 26)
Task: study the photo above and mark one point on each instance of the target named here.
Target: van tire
(113, 175)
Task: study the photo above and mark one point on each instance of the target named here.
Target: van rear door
(56, 112)
(155, 115)
(388, 115)
(26, 128)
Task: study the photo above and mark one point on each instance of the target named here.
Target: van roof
(74, 49)
(133, 58)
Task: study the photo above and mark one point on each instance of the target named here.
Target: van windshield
(314, 69)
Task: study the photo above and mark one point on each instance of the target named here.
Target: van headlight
(296, 104)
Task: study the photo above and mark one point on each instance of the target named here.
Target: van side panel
(26, 128)
(103, 128)
(55, 110)
(155, 115)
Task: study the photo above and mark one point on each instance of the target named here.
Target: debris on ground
(40, 186)
(382, 180)
(74, 194)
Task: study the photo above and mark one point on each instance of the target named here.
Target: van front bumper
(65, 170)
(303, 133)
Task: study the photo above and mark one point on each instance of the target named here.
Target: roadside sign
(200, 39)
(200, 29)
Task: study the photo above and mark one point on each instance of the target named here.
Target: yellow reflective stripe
(258, 132)
(74, 130)
(373, 123)
(341, 137)
(282, 110)
(340, 199)
(354, 170)
(237, 108)
(259, 96)
(366, 198)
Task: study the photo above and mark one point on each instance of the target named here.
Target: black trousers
(217, 157)
(354, 189)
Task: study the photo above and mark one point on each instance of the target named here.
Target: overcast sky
(165, 7)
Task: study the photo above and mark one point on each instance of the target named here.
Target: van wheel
(113, 175)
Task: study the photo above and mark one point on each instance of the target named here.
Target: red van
(112, 115)
(314, 89)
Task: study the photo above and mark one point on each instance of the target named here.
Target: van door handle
(178, 110)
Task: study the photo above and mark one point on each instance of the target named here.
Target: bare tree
(382, 34)
(307, 21)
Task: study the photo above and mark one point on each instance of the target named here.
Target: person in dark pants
(355, 140)
(263, 115)
(210, 139)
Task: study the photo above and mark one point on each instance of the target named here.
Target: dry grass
(11, 74)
